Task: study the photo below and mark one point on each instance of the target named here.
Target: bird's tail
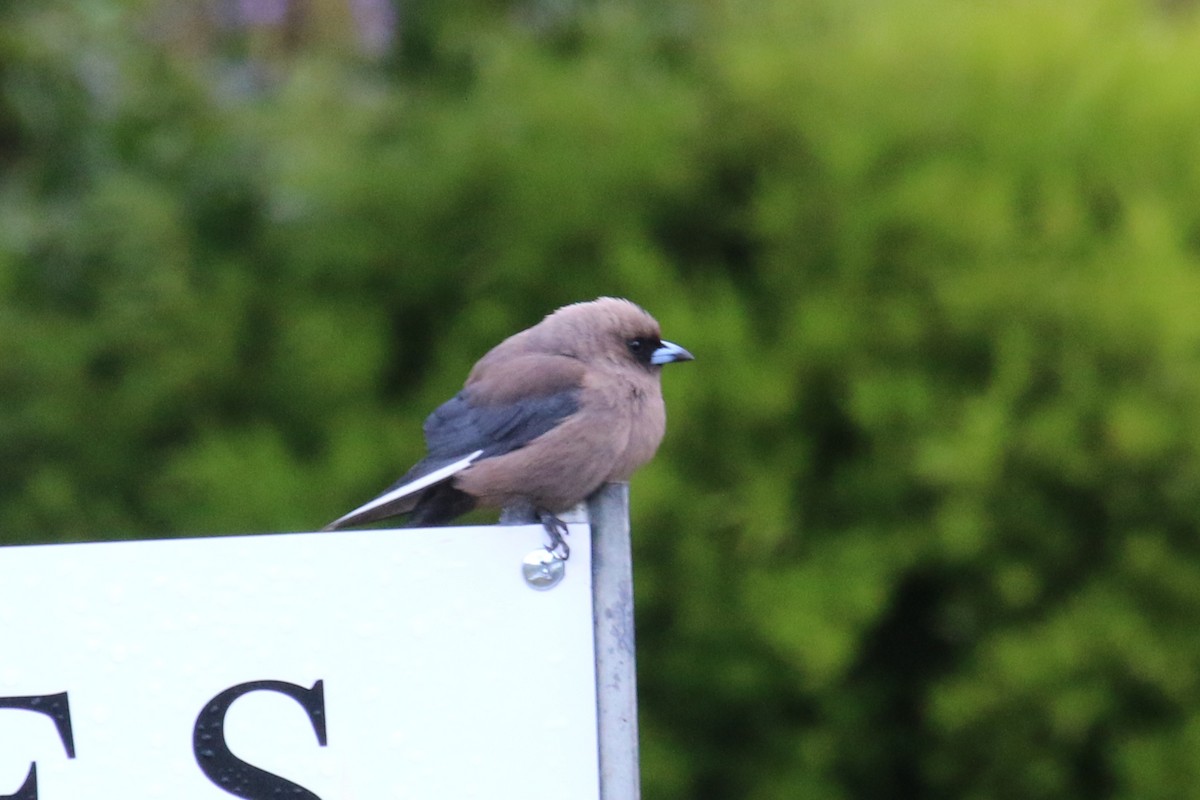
(412, 494)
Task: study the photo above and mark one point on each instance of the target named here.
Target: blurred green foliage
(927, 519)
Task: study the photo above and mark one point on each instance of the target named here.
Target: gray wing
(460, 432)
(464, 424)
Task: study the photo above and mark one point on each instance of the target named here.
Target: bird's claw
(556, 529)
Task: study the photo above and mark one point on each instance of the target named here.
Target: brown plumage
(545, 418)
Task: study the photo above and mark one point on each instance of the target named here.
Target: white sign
(364, 665)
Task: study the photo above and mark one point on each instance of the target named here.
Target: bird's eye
(642, 347)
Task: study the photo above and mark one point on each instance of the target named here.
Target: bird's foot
(556, 529)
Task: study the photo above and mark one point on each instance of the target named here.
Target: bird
(544, 419)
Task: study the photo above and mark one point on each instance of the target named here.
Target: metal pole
(616, 664)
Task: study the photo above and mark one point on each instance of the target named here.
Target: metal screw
(543, 569)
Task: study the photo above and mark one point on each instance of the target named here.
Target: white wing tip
(423, 482)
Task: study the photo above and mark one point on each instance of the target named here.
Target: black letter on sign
(228, 771)
(56, 708)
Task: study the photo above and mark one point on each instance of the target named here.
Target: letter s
(229, 772)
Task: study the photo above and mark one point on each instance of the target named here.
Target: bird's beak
(668, 352)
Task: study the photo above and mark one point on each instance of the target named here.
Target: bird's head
(611, 330)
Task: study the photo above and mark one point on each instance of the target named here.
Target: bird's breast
(645, 424)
